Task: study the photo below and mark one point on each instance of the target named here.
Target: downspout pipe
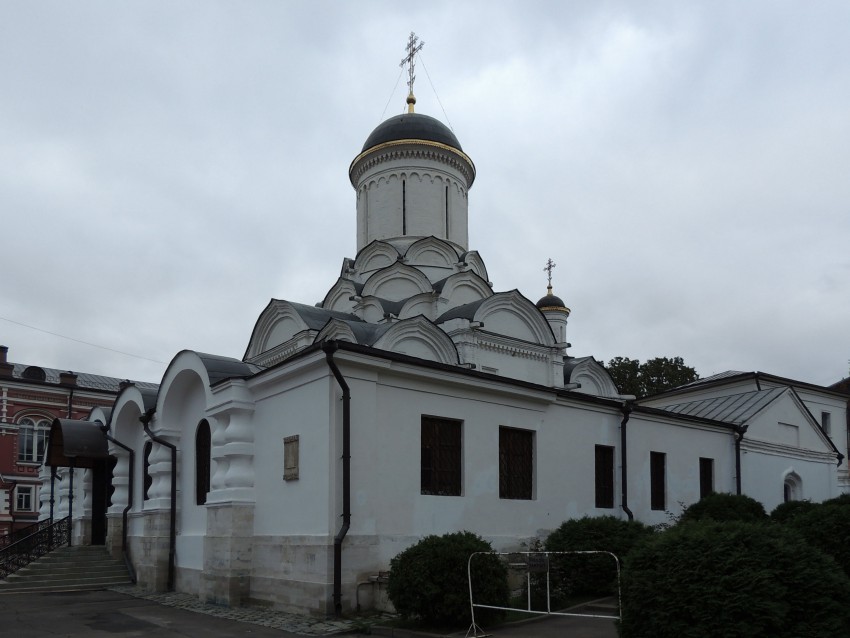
(626, 409)
(172, 545)
(125, 550)
(329, 348)
(740, 430)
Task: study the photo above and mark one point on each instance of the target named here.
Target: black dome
(550, 301)
(411, 126)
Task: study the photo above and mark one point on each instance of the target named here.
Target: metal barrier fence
(532, 563)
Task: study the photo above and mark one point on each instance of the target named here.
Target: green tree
(625, 373)
(651, 377)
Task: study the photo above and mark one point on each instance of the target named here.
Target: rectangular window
(441, 456)
(516, 463)
(657, 480)
(290, 458)
(706, 477)
(826, 423)
(24, 498)
(604, 476)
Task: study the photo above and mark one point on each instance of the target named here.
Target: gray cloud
(167, 168)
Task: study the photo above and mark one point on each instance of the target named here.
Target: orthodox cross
(412, 49)
(548, 268)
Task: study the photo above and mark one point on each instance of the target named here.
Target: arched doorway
(83, 445)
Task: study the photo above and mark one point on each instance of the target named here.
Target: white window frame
(25, 492)
(37, 430)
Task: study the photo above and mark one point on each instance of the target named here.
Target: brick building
(30, 398)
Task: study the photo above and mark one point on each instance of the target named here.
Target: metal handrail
(24, 551)
(23, 532)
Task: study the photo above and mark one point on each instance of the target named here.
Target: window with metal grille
(147, 479)
(706, 477)
(441, 456)
(291, 445)
(657, 480)
(203, 448)
(516, 463)
(604, 476)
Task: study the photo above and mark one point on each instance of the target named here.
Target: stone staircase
(68, 569)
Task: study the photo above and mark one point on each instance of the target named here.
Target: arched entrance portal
(83, 445)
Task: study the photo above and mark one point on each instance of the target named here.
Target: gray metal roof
(735, 408)
(84, 380)
(714, 377)
(316, 318)
(219, 368)
(466, 311)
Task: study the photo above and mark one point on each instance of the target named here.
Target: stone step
(68, 569)
(33, 568)
(58, 587)
(66, 574)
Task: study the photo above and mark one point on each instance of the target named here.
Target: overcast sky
(168, 167)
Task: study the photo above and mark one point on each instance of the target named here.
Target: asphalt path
(108, 613)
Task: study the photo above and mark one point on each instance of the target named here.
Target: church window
(657, 480)
(24, 501)
(516, 463)
(793, 488)
(441, 456)
(447, 212)
(203, 451)
(146, 470)
(604, 476)
(706, 477)
(32, 440)
(290, 458)
(403, 207)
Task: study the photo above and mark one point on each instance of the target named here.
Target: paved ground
(118, 613)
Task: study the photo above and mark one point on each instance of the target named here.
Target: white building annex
(417, 399)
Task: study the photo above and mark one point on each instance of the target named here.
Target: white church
(415, 399)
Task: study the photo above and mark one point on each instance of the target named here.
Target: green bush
(827, 527)
(732, 580)
(428, 581)
(590, 574)
(784, 512)
(719, 506)
(844, 499)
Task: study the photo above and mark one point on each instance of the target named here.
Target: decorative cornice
(779, 449)
(391, 150)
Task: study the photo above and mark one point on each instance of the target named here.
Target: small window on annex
(706, 477)
(24, 501)
(657, 480)
(203, 450)
(147, 479)
(516, 463)
(32, 439)
(441, 456)
(604, 476)
(290, 457)
(826, 422)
